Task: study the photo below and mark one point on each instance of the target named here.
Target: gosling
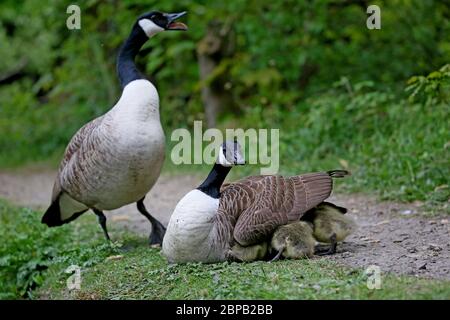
(248, 254)
(330, 225)
(293, 241)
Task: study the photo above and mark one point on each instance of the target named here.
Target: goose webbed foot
(327, 252)
(102, 221)
(320, 251)
(158, 230)
(157, 234)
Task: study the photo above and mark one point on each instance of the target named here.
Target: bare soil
(394, 236)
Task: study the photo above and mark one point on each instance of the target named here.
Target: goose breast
(190, 235)
(120, 158)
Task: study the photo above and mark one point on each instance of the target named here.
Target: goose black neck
(211, 186)
(126, 67)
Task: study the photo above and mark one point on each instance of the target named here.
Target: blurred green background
(374, 101)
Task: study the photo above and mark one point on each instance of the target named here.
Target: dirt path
(392, 236)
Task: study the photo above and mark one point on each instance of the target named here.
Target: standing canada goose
(116, 158)
(293, 241)
(208, 221)
(330, 225)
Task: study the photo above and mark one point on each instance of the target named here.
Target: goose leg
(158, 230)
(102, 220)
(332, 248)
(333, 244)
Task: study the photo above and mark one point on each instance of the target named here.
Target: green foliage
(142, 273)
(393, 147)
(28, 248)
(33, 260)
(350, 108)
(432, 89)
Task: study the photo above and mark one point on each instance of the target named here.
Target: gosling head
(330, 207)
(154, 22)
(230, 154)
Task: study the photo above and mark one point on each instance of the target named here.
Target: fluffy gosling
(293, 241)
(330, 225)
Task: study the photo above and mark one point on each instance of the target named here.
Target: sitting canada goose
(330, 225)
(208, 221)
(293, 241)
(116, 158)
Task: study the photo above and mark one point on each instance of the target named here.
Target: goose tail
(62, 210)
(52, 217)
(313, 189)
(338, 173)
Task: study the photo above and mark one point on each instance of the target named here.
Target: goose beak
(239, 161)
(172, 24)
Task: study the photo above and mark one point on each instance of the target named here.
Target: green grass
(143, 273)
(29, 249)
(34, 259)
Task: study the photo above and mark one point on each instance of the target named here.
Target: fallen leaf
(117, 257)
(381, 223)
(442, 186)
(120, 218)
(343, 163)
(418, 203)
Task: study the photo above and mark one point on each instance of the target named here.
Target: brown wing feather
(258, 205)
(71, 149)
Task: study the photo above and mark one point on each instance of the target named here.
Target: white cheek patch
(149, 27)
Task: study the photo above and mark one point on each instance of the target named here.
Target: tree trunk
(211, 50)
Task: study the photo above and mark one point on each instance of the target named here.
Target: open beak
(172, 24)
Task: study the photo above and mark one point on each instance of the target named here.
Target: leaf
(343, 163)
